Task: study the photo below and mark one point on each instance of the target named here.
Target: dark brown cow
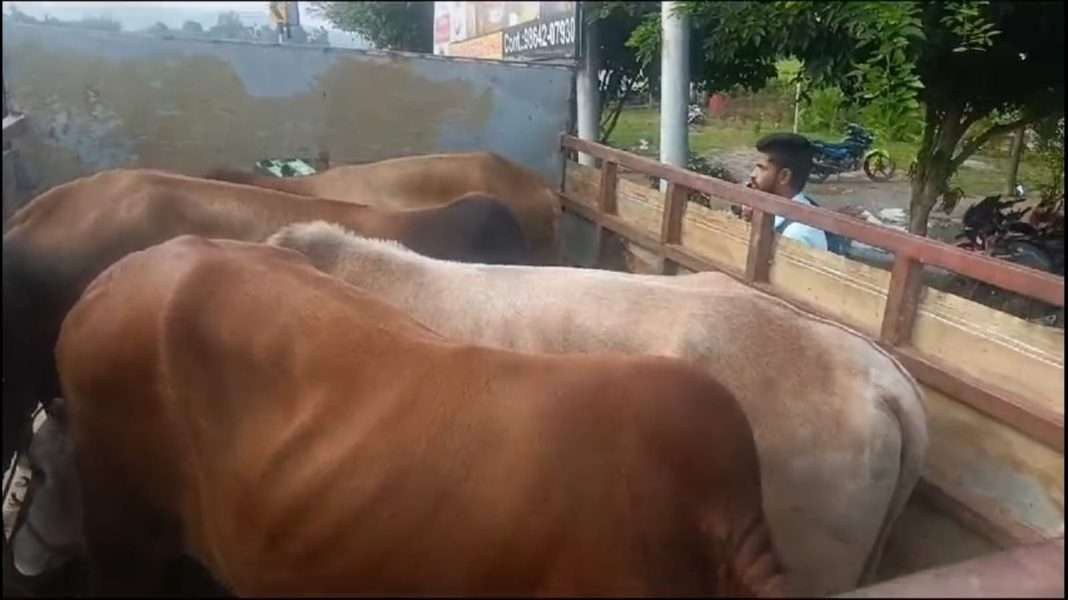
(432, 180)
(56, 244)
(298, 436)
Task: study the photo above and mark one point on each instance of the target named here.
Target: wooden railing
(911, 252)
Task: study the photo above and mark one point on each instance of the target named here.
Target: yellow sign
(278, 13)
(487, 46)
(518, 30)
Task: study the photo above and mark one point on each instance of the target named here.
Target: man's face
(768, 177)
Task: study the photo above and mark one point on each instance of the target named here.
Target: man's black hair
(789, 151)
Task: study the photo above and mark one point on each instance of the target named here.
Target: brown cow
(299, 436)
(56, 244)
(432, 180)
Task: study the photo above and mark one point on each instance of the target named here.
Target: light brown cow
(431, 180)
(299, 436)
(56, 244)
(840, 425)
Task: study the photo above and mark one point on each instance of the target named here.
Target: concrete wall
(98, 100)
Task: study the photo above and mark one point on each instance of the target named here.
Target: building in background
(506, 30)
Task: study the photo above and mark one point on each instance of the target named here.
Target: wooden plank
(1007, 478)
(1026, 416)
(606, 203)
(978, 515)
(1033, 420)
(761, 249)
(671, 224)
(674, 211)
(717, 234)
(582, 184)
(993, 347)
(612, 223)
(902, 300)
(606, 194)
(1026, 281)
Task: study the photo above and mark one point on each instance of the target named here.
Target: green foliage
(229, 27)
(895, 122)
(1049, 147)
(788, 71)
(97, 23)
(953, 62)
(623, 71)
(388, 25)
(966, 21)
(827, 109)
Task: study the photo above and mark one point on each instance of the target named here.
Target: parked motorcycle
(695, 115)
(992, 227)
(851, 154)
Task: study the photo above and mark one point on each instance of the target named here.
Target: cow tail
(751, 567)
(912, 422)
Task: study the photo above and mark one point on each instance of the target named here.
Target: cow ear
(56, 410)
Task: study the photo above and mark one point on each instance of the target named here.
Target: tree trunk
(934, 164)
(613, 118)
(925, 193)
(1014, 160)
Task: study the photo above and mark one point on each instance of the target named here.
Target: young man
(783, 170)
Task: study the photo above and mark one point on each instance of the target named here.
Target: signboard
(506, 30)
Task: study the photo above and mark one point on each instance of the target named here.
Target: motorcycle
(852, 153)
(695, 115)
(992, 227)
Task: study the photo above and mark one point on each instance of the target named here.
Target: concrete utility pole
(587, 95)
(674, 85)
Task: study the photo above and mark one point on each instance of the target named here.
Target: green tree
(960, 61)
(388, 25)
(623, 70)
(192, 27)
(1048, 137)
(229, 27)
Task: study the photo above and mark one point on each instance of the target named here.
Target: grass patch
(636, 124)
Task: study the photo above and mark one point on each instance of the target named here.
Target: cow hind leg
(750, 566)
(128, 544)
